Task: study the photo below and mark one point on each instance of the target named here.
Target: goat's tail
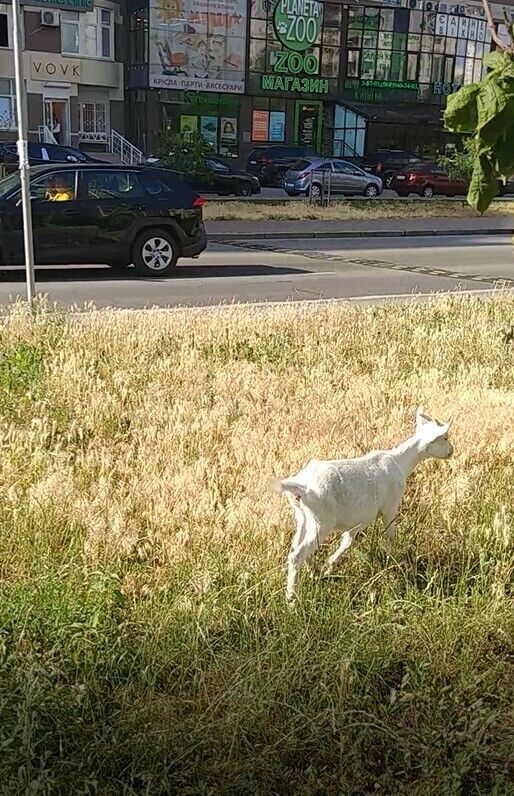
(286, 485)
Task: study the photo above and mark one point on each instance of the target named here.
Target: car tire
(314, 191)
(371, 191)
(155, 253)
(427, 192)
(243, 190)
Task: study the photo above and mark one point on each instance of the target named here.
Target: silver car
(312, 176)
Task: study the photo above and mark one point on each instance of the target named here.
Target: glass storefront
(215, 116)
(422, 54)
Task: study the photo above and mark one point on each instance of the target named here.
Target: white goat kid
(348, 494)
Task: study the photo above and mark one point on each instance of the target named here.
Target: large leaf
(484, 185)
(495, 60)
(503, 152)
(492, 98)
(461, 115)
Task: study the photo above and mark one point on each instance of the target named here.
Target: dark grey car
(314, 176)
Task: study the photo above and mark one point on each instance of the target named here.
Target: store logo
(295, 63)
(297, 23)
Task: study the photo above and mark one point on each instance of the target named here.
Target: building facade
(73, 66)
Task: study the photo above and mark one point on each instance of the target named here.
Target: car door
(114, 202)
(60, 235)
(346, 178)
(442, 182)
(222, 180)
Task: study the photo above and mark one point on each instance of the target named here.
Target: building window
(269, 120)
(4, 31)
(138, 36)
(7, 105)
(93, 121)
(424, 47)
(349, 133)
(89, 34)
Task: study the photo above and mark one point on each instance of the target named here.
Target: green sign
(399, 85)
(294, 63)
(297, 23)
(62, 5)
(304, 85)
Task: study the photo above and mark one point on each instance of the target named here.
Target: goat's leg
(344, 546)
(300, 528)
(297, 559)
(389, 517)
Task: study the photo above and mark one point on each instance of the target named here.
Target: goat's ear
(420, 417)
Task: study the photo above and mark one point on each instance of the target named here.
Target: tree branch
(506, 48)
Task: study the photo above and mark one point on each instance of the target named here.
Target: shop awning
(407, 113)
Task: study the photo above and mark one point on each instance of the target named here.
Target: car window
(9, 183)
(153, 186)
(300, 165)
(61, 154)
(343, 168)
(220, 168)
(60, 186)
(323, 167)
(34, 151)
(113, 185)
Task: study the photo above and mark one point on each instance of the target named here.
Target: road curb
(414, 233)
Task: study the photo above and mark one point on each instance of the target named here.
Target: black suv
(270, 163)
(115, 215)
(386, 163)
(39, 154)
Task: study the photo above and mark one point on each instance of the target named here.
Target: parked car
(222, 178)
(310, 176)
(40, 154)
(270, 163)
(428, 179)
(385, 163)
(115, 215)
(506, 185)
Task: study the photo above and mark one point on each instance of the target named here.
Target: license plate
(400, 177)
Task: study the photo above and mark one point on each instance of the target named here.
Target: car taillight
(199, 201)
(303, 175)
(413, 176)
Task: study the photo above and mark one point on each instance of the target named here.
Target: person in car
(58, 193)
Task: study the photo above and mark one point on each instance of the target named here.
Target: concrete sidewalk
(382, 227)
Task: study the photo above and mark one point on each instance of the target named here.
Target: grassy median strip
(145, 643)
(341, 210)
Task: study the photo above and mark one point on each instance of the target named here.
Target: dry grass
(346, 211)
(145, 647)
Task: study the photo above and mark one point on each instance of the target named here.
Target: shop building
(73, 66)
(345, 78)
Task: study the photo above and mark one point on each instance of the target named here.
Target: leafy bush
(185, 153)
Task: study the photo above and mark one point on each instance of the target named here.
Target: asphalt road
(359, 269)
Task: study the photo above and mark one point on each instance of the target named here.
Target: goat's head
(433, 436)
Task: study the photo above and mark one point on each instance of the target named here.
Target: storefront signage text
(56, 68)
(398, 85)
(62, 5)
(295, 63)
(304, 85)
(297, 23)
(446, 88)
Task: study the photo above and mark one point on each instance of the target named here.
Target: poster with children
(198, 45)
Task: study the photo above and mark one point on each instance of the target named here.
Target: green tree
(485, 110)
(460, 164)
(185, 153)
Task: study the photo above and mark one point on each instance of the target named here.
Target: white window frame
(87, 19)
(96, 135)
(12, 97)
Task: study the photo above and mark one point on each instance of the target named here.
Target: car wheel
(243, 190)
(427, 192)
(155, 253)
(314, 191)
(371, 191)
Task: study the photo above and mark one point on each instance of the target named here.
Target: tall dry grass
(144, 642)
(340, 210)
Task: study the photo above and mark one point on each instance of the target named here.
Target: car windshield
(9, 184)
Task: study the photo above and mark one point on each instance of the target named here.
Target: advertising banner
(260, 125)
(198, 45)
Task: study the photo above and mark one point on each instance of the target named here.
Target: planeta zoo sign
(297, 23)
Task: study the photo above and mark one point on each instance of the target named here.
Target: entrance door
(57, 115)
(308, 122)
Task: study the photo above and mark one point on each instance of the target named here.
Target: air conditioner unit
(50, 19)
